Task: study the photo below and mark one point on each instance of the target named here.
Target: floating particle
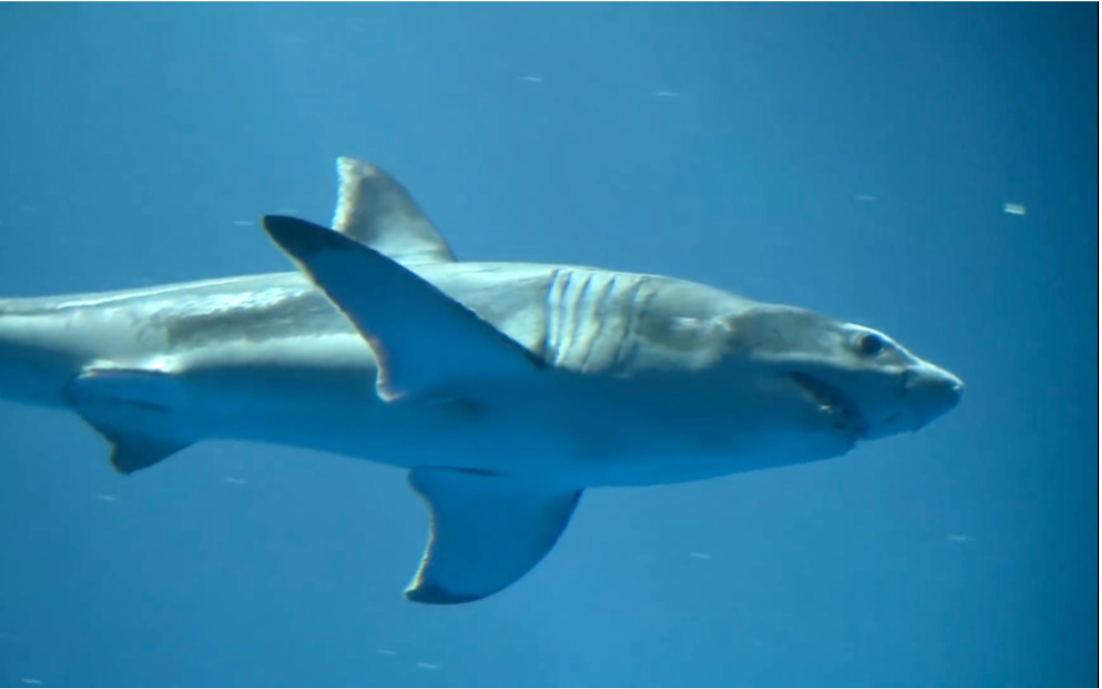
(243, 223)
(386, 652)
(428, 666)
(960, 538)
(532, 79)
(32, 681)
(700, 556)
(234, 480)
(865, 197)
(106, 498)
(666, 94)
(1014, 208)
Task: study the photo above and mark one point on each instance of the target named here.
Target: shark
(505, 390)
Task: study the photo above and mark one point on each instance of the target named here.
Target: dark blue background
(134, 136)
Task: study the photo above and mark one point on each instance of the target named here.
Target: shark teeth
(834, 402)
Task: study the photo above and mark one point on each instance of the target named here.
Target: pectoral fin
(422, 338)
(485, 532)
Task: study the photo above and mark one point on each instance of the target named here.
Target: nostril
(905, 382)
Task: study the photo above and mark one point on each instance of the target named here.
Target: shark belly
(571, 432)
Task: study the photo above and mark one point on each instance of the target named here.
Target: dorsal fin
(375, 210)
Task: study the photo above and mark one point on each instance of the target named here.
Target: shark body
(506, 389)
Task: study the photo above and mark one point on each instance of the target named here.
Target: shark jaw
(843, 413)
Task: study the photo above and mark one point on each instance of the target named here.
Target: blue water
(853, 159)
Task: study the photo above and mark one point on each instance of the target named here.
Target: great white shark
(505, 389)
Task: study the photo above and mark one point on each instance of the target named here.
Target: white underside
(565, 430)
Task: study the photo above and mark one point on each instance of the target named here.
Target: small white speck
(1014, 208)
(666, 94)
(106, 498)
(243, 223)
(386, 652)
(235, 481)
(532, 79)
(865, 197)
(960, 538)
(31, 680)
(428, 666)
(700, 556)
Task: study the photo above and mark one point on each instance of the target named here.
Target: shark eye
(869, 344)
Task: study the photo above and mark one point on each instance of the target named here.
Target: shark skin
(506, 389)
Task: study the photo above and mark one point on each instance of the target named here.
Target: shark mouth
(843, 411)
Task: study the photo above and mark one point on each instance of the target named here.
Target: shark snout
(932, 391)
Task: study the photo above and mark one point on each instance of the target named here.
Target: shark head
(841, 382)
